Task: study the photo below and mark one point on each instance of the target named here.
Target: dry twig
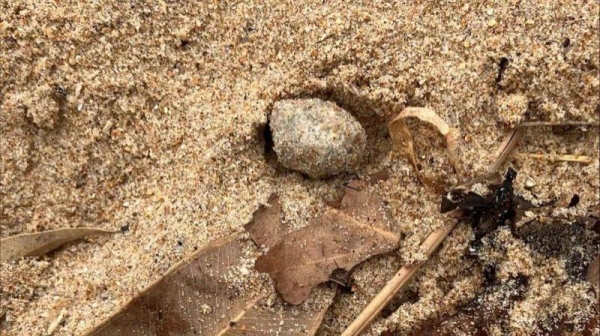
(512, 139)
(558, 157)
(506, 148)
(556, 123)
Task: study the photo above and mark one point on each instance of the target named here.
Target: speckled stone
(316, 137)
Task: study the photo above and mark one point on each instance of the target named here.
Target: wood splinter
(558, 157)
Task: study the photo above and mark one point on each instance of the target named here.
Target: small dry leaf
(192, 296)
(308, 256)
(196, 297)
(401, 135)
(266, 227)
(37, 244)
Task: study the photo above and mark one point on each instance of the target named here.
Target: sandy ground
(148, 115)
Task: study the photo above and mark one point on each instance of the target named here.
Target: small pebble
(529, 183)
(316, 137)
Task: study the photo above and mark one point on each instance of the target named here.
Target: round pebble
(316, 137)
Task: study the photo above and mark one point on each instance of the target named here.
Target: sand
(148, 115)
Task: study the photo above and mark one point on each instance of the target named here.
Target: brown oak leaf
(367, 208)
(266, 227)
(306, 257)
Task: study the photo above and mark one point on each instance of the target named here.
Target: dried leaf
(266, 227)
(37, 244)
(486, 213)
(369, 180)
(192, 296)
(282, 319)
(308, 256)
(195, 297)
(401, 135)
(365, 207)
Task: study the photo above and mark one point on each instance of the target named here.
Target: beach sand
(150, 116)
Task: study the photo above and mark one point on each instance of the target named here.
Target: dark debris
(575, 241)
